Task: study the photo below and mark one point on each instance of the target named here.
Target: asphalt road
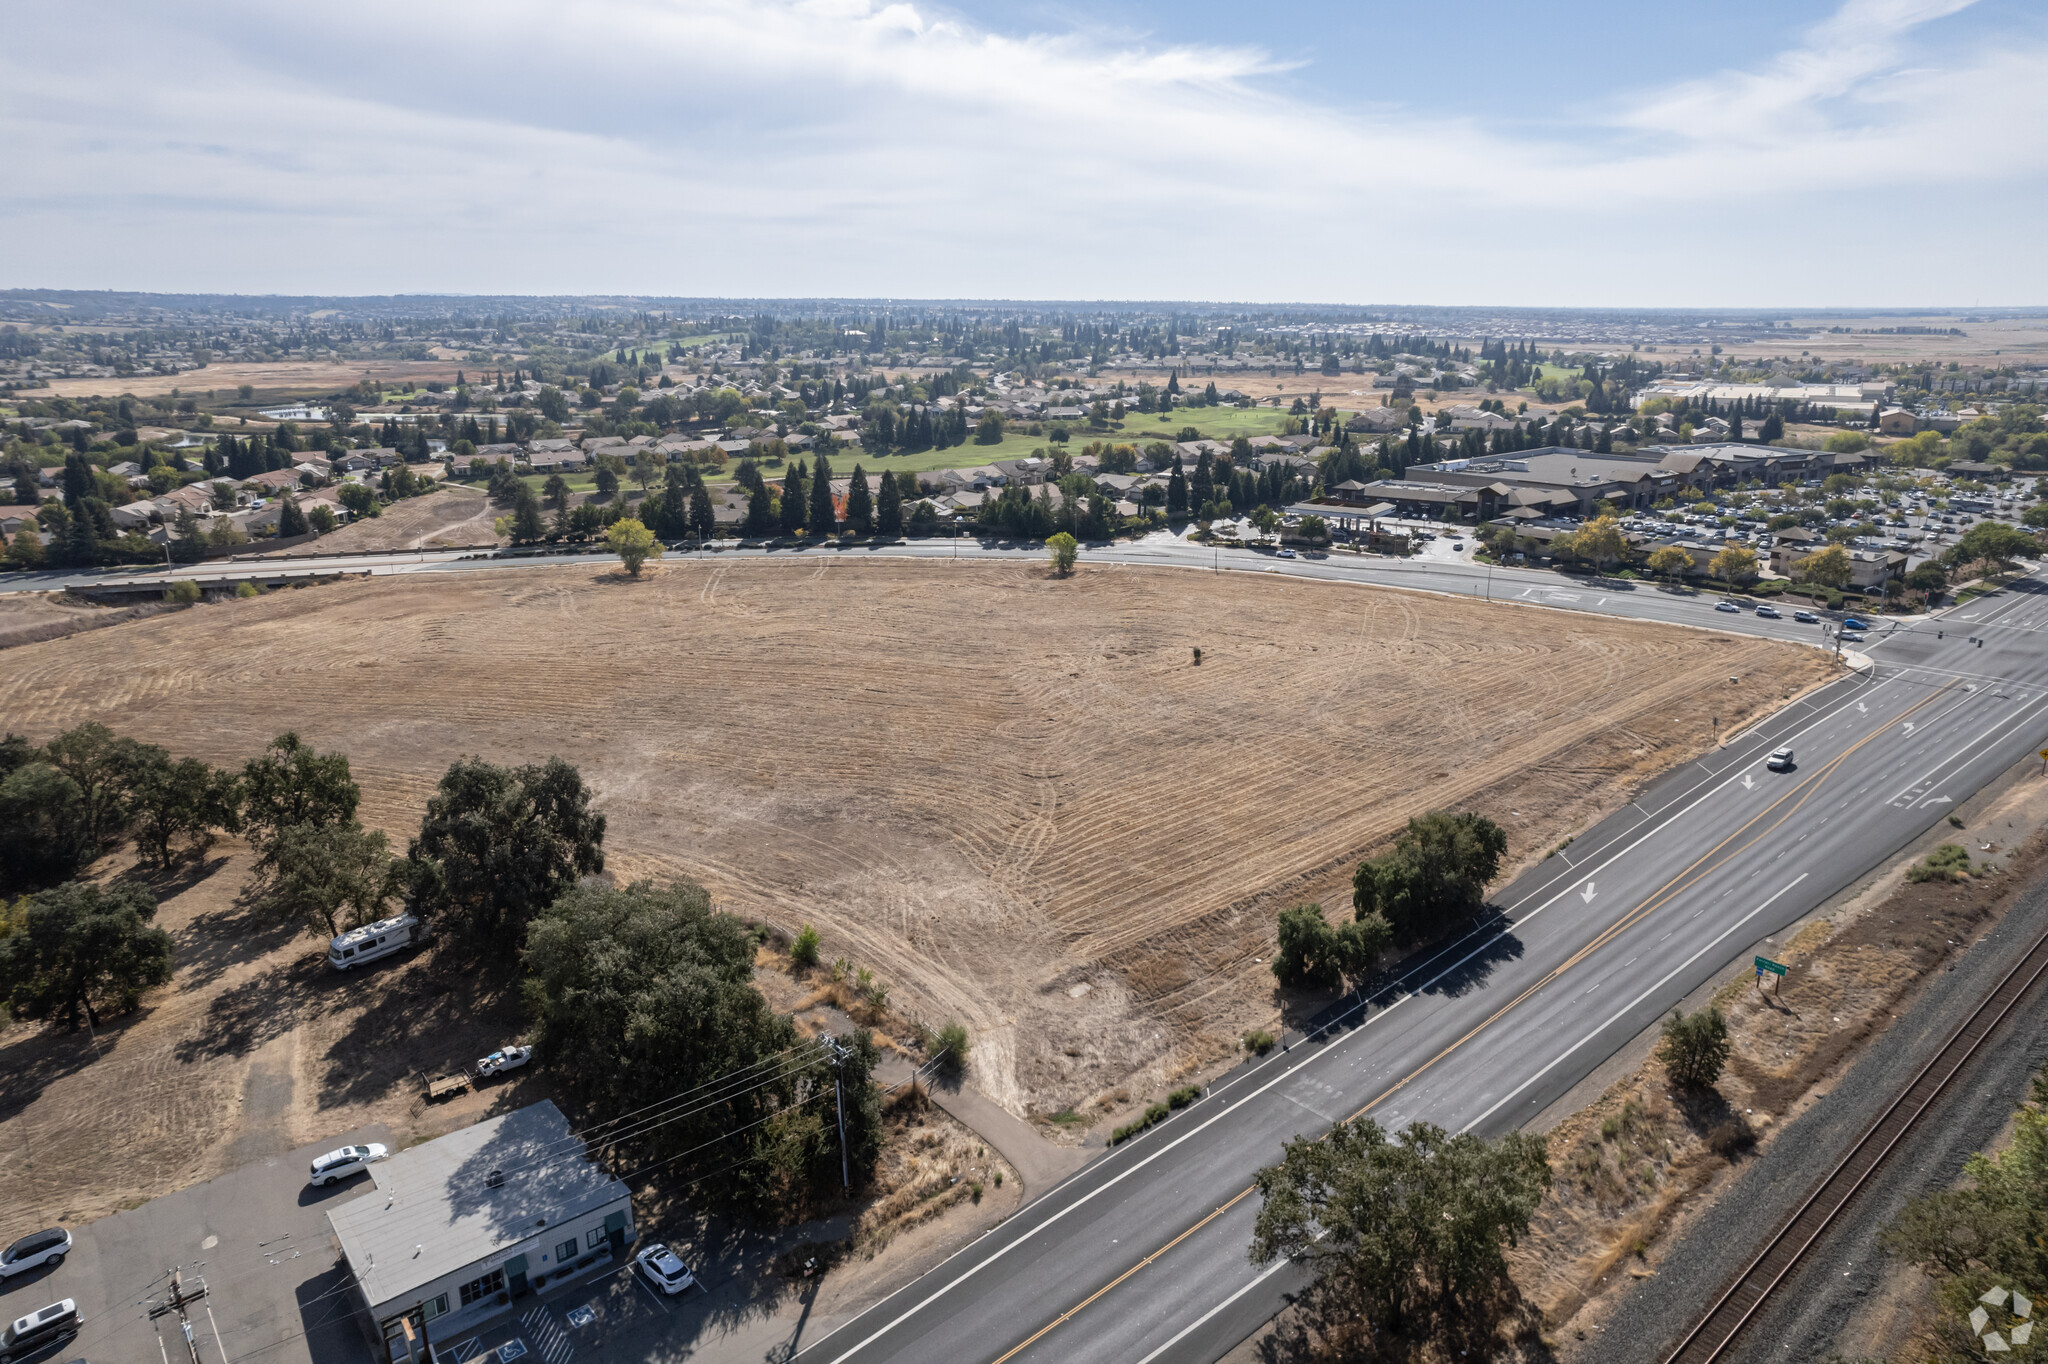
(1452, 577)
(1142, 1257)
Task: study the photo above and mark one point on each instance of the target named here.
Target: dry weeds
(990, 788)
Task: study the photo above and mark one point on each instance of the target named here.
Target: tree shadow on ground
(1310, 1330)
(422, 1017)
(184, 872)
(1715, 1121)
(213, 943)
(30, 1066)
(750, 1271)
(243, 1017)
(1472, 970)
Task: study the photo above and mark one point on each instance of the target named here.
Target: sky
(1863, 153)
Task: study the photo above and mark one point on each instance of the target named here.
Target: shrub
(1731, 1137)
(1258, 1041)
(1153, 1115)
(1695, 1046)
(952, 1042)
(1949, 862)
(803, 951)
(246, 590)
(1181, 1098)
(184, 592)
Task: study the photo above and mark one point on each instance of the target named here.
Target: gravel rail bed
(1805, 1317)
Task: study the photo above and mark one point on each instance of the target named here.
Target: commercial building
(460, 1228)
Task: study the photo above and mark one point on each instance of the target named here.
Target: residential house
(276, 481)
(559, 461)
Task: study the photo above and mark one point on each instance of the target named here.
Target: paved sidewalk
(1041, 1164)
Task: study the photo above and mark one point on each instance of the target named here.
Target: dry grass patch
(986, 787)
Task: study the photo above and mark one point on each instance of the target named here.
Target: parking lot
(256, 1238)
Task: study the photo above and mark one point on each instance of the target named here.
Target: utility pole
(839, 1098)
(179, 1301)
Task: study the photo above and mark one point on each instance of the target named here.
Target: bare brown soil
(30, 617)
(451, 516)
(269, 379)
(1011, 797)
(1633, 1169)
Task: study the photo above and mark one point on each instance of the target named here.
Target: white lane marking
(1933, 772)
(1203, 1320)
(1710, 946)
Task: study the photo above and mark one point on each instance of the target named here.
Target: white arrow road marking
(1908, 729)
(1938, 800)
(1587, 893)
(1865, 709)
(1748, 782)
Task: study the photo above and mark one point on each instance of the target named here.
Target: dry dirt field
(452, 516)
(284, 376)
(1012, 797)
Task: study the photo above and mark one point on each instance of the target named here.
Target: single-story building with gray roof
(460, 1228)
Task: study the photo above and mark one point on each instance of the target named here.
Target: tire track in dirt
(981, 783)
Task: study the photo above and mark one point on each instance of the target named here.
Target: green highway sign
(1764, 964)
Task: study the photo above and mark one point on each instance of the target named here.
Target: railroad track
(1717, 1330)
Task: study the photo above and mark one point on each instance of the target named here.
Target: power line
(557, 1149)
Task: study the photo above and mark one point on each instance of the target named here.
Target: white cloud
(838, 146)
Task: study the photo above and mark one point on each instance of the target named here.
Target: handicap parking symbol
(582, 1316)
(511, 1350)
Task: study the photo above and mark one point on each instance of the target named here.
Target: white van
(372, 941)
(38, 1331)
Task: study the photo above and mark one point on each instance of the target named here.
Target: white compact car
(34, 1251)
(347, 1162)
(507, 1058)
(664, 1269)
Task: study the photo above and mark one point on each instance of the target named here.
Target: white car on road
(508, 1058)
(664, 1268)
(348, 1161)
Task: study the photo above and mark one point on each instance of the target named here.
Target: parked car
(664, 1268)
(1769, 613)
(508, 1058)
(1726, 606)
(346, 1162)
(40, 1330)
(1806, 617)
(1780, 760)
(34, 1251)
